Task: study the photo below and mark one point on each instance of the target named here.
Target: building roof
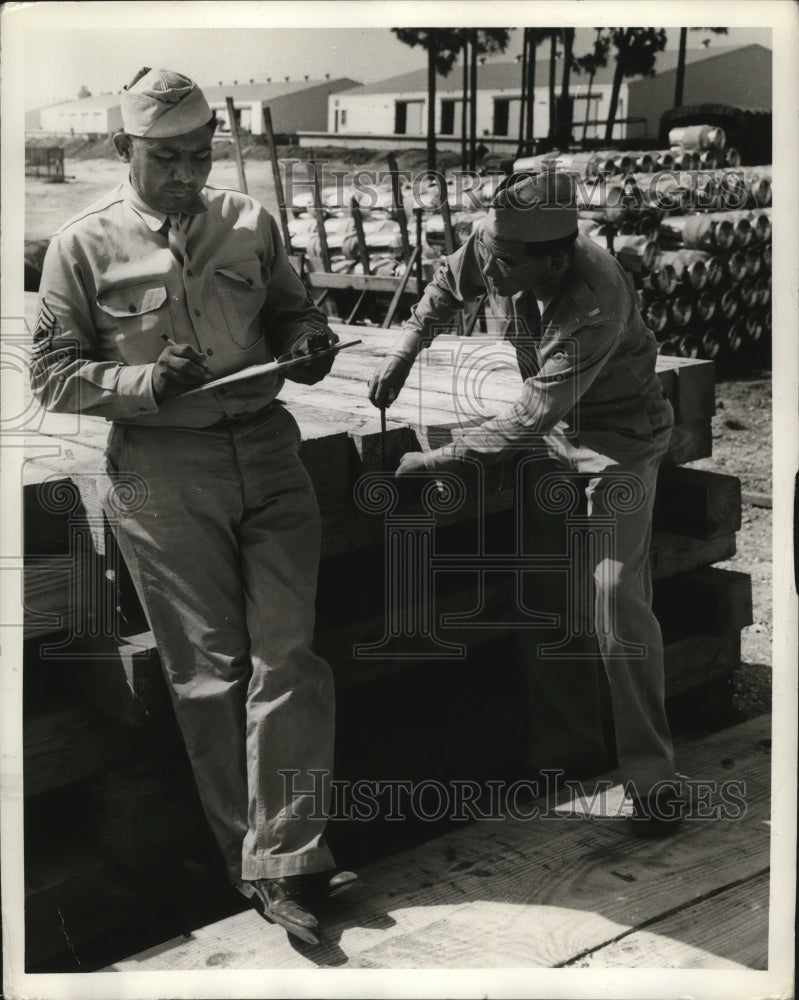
(98, 102)
(269, 91)
(217, 94)
(507, 75)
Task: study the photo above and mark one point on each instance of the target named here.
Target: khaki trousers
(597, 489)
(221, 532)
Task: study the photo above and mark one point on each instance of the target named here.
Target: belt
(239, 419)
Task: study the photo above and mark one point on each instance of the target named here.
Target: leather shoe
(329, 883)
(658, 814)
(281, 901)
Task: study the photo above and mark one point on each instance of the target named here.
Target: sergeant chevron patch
(46, 327)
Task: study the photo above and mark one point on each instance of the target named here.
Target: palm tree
(680, 81)
(636, 51)
(442, 46)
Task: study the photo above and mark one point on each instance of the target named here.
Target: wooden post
(279, 195)
(446, 215)
(398, 207)
(419, 237)
(234, 131)
(320, 216)
(363, 250)
(401, 288)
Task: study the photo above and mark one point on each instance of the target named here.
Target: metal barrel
(763, 287)
(705, 306)
(698, 137)
(753, 261)
(729, 303)
(714, 270)
(711, 344)
(735, 335)
(735, 265)
(689, 266)
(760, 221)
(732, 158)
(636, 253)
(754, 328)
(748, 292)
(668, 347)
(710, 159)
(664, 159)
(688, 346)
(656, 316)
(680, 309)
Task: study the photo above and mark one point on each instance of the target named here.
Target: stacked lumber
(99, 731)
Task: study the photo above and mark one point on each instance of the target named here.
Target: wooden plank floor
(571, 889)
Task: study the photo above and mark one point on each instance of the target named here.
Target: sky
(101, 45)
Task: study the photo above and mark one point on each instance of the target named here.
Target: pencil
(171, 342)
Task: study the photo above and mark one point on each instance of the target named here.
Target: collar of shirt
(151, 216)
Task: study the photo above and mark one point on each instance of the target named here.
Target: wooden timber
(524, 893)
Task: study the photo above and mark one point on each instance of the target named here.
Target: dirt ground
(742, 427)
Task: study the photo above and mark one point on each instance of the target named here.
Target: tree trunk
(553, 55)
(565, 116)
(590, 85)
(520, 150)
(617, 78)
(473, 104)
(465, 104)
(680, 82)
(431, 109)
(533, 47)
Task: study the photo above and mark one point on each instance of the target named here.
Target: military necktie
(525, 332)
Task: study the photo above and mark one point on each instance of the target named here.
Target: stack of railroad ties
(420, 643)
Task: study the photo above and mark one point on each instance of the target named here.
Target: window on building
(408, 117)
(586, 116)
(343, 116)
(506, 115)
(451, 116)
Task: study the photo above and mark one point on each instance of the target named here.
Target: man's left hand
(411, 461)
(315, 368)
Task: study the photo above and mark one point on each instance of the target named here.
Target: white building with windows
(393, 113)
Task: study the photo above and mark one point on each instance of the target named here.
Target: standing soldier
(591, 409)
(158, 287)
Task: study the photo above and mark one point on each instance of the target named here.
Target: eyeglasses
(507, 264)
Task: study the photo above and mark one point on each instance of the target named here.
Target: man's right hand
(388, 380)
(179, 367)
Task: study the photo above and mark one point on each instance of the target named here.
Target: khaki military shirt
(120, 277)
(594, 356)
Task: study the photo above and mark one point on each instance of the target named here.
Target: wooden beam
(234, 131)
(278, 181)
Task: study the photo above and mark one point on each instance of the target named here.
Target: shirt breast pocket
(241, 288)
(137, 316)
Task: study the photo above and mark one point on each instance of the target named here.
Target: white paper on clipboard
(270, 366)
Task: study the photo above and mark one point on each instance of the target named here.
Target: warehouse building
(100, 115)
(733, 76)
(294, 105)
(393, 112)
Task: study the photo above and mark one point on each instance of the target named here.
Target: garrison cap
(160, 103)
(532, 209)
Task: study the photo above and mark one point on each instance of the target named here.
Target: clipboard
(269, 367)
